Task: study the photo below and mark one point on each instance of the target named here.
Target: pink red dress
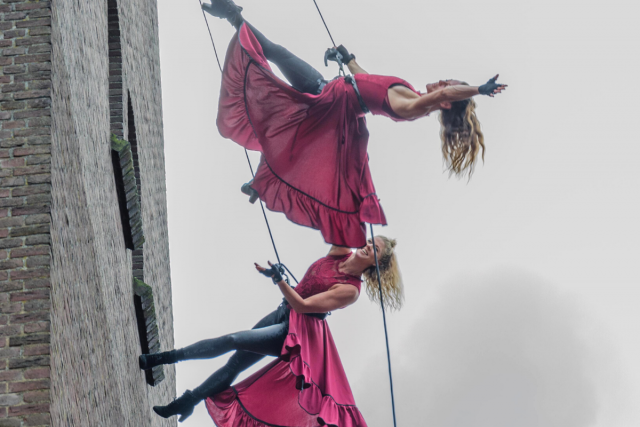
(306, 386)
(314, 166)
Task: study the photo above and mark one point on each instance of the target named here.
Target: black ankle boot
(148, 361)
(246, 189)
(182, 406)
(224, 9)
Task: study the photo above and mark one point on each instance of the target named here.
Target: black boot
(225, 9)
(246, 189)
(182, 406)
(148, 361)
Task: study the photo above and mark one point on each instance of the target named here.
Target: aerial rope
(384, 318)
(264, 213)
(375, 252)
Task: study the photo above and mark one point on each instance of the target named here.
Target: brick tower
(84, 254)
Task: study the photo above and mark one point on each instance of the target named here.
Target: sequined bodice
(323, 274)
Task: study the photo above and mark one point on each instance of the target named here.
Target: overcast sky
(522, 285)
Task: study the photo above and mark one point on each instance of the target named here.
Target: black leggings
(265, 339)
(302, 76)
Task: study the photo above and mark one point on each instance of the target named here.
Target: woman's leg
(302, 76)
(216, 383)
(265, 341)
(272, 330)
(265, 338)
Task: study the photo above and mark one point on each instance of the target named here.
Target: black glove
(490, 87)
(346, 56)
(275, 272)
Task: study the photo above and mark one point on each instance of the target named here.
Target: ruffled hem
(311, 399)
(286, 393)
(338, 227)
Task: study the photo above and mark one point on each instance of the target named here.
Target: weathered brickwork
(68, 327)
(25, 204)
(95, 341)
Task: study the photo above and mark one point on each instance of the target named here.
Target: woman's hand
(275, 272)
(491, 88)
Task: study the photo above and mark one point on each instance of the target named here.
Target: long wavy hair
(390, 278)
(461, 137)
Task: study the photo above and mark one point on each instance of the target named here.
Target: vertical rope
(325, 24)
(264, 213)
(384, 319)
(210, 35)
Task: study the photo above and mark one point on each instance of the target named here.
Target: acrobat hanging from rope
(313, 135)
(306, 385)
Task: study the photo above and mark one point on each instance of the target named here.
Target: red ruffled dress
(306, 386)
(314, 166)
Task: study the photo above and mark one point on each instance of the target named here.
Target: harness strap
(352, 80)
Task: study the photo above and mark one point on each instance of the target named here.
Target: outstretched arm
(409, 106)
(338, 296)
(414, 107)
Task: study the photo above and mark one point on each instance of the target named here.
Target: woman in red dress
(306, 385)
(313, 135)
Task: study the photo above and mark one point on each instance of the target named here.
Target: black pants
(302, 76)
(265, 339)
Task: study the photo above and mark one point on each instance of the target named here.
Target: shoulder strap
(352, 80)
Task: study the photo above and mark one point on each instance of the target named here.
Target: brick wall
(95, 378)
(68, 328)
(25, 194)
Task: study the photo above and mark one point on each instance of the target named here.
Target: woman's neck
(353, 266)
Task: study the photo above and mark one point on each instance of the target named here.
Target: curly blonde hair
(390, 277)
(461, 137)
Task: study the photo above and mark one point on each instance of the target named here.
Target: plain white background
(521, 284)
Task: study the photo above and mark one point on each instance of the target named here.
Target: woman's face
(366, 253)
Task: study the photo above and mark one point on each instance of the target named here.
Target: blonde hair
(461, 137)
(390, 277)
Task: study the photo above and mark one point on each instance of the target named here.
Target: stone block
(30, 317)
(38, 261)
(29, 230)
(10, 422)
(33, 338)
(30, 251)
(13, 375)
(37, 350)
(18, 386)
(37, 284)
(36, 396)
(30, 190)
(39, 179)
(28, 409)
(9, 330)
(37, 373)
(33, 23)
(28, 151)
(10, 243)
(29, 362)
(29, 295)
(11, 264)
(10, 399)
(38, 219)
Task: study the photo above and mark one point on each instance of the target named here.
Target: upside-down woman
(313, 134)
(306, 386)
